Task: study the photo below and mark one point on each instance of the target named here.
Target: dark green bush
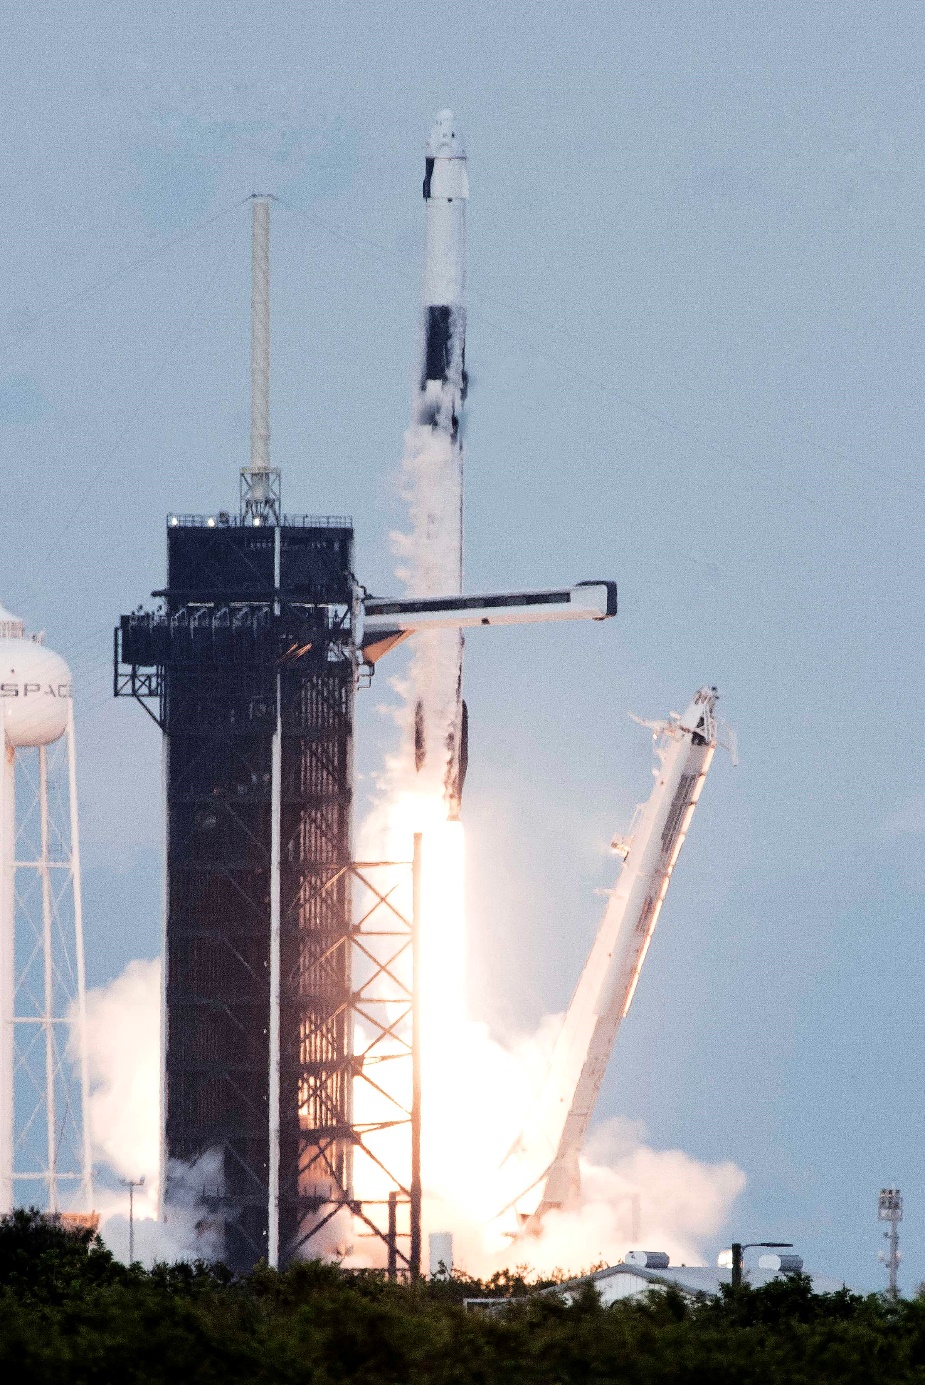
(70, 1313)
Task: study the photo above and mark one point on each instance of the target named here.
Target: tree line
(70, 1312)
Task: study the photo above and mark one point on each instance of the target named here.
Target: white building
(630, 1279)
(643, 1271)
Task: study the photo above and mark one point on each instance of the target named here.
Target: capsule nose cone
(446, 141)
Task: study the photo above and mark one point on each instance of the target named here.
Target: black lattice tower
(250, 661)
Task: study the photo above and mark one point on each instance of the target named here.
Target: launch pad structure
(250, 666)
(281, 1002)
(249, 669)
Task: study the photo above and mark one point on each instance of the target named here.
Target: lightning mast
(260, 483)
(541, 1170)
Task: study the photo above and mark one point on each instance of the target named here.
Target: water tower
(44, 1140)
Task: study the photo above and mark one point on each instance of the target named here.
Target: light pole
(131, 1184)
(737, 1251)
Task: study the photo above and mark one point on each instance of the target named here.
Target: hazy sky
(696, 346)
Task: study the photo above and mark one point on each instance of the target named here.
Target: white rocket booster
(542, 1167)
(439, 722)
(446, 191)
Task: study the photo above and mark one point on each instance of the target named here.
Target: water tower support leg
(86, 1157)
(48, 1015)
(7, 967)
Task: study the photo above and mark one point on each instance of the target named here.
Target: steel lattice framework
(250, 664)
(381, 958)
(51, 1149)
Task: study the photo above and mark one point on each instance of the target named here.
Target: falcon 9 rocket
(434, 463)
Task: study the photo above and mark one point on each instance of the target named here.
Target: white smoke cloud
(632, 1195)
(637, 1198)
(429, 564)
(477, 1091)
(124, 1059)
(187, 1232)
(429, 553)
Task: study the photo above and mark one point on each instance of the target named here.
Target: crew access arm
(541, 1169)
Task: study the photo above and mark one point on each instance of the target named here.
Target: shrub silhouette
(70, 1313)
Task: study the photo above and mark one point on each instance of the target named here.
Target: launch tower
(250, 661)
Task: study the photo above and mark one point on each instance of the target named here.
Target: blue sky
(696, 344)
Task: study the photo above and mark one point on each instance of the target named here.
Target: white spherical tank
(35, 687)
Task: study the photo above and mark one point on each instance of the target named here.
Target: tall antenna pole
(890, 1209)
(260, 483)
(260, 335)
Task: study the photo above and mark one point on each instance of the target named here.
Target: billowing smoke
(124, 1058)
(477, 1091)
(631, 1194)
(632, 1197)
(476, 1094)
(123, 1054)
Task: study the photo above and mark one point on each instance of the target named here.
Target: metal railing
(224, 519)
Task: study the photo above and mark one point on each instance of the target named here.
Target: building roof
(624, 1281)
(627, 1281)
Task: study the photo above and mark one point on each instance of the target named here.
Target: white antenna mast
(260, 483)
(890, 1209)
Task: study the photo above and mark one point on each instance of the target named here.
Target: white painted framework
(260, 483)
(585, 601)
(44, 1076)
(542, 1168)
